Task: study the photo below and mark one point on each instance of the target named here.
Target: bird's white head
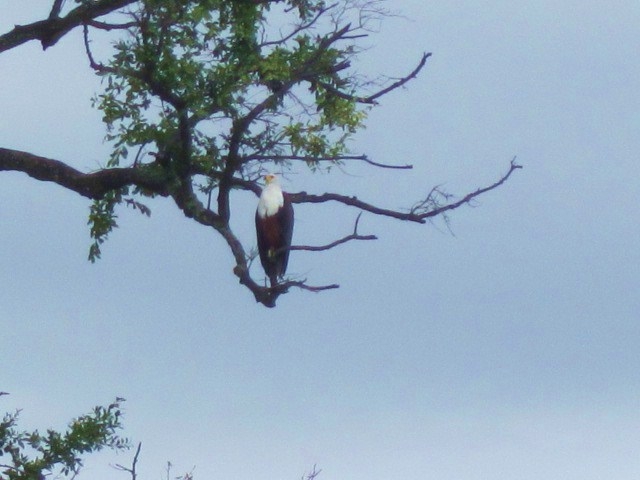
(271, 198)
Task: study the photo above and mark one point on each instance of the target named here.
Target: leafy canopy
(28, 455)
(209, 87)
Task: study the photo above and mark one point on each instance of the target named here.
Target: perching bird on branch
(274, 228)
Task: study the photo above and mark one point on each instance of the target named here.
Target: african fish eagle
(274, 228)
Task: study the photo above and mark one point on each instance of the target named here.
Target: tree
(30, 455)
(202, 97)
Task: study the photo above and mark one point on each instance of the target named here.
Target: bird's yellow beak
(269, 177)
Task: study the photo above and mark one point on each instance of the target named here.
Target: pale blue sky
(507, 351)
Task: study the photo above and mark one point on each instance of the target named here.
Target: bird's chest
(270, 203)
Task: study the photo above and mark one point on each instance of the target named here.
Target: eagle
(274, 228)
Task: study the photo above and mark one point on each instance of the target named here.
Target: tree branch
(299, 28)
(371, 99)
(132, 471)
(402, 80)
(49, 31)
(111, 26)
(353, 236)
(469, 197)
(285, 286)
(56, 8)
(91, 185)
(340, 158)
(418, 215)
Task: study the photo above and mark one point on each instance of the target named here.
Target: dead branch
(353, 236)
(413, 215)
(471, 196)
(312, 474)
(402, 80)
(281, 288)
(371, 99)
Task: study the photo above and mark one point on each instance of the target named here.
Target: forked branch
(353, 236)
(133, 469)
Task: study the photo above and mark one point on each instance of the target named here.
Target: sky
(506, 348)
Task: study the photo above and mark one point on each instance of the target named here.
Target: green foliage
(102, 219)
(30, 455)
(205, 85)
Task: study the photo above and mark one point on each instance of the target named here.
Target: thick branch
(49, 31)
(192, 207)
(91, 185)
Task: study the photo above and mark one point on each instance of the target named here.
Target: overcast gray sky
(509, 350)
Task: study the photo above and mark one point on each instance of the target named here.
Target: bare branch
(402, 80)
(98, 67)
(111, 26)
(371, 99)
(312, 474)
(414, 215)
(470, 196)
(132, 470)
(353, 236)
(303, 286)
(56, 8)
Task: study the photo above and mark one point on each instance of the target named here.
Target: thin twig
(353, 236)
(339, 158)
(303, 286)
(131, 470)
(371, 99)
